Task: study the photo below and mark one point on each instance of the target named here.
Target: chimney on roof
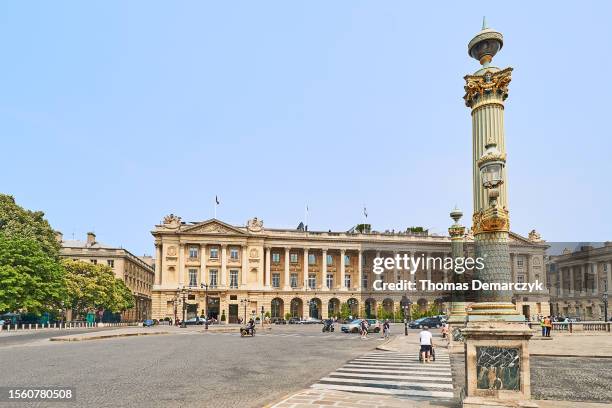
(59, 237)
(91, 238)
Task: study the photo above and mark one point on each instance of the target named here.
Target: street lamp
(205, 286)
(604, 297)
(183, 293)
(407, 314)
(244, 302)
(491, 164)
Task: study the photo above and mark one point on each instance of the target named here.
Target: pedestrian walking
(426, 341)
(386, 329)
(364, 329)
(543, 326)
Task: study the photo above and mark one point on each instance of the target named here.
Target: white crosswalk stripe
(395, 374)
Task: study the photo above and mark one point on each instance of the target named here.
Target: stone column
(513, 266)
(571, 268)
(203, 271)
(529, 267)
(324, 270)
(458, 314)
(427, 255)
(560, 272)
(158, 264)
(608, 278)
(360, 269)
(267, 282)
(595, 278)
(342, 269)
(583, 281)
(305, 269)
(181, 268)
(245, 267)
(286, 285)
(224, 279)
(492, 339)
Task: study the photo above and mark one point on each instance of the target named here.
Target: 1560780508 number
(37, 394)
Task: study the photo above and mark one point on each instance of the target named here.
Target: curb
(105, 336)
(386, 346)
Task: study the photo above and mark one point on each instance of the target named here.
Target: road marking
(395, 374)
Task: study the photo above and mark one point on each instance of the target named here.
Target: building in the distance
(137, 274)
(306, 273)
(578, 280)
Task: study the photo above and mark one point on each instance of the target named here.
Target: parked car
(148, 323)
(426, 322)
(279, 321)
(195, 320)
(294, 320)
(354, 326)
(311, 320)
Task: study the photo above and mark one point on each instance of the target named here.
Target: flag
(217, 200)
(365, 212)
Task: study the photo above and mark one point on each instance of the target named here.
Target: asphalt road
(18, 337)
(188, 369)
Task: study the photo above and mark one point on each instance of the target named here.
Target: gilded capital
(490, 83)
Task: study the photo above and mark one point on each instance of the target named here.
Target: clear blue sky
(113, 114)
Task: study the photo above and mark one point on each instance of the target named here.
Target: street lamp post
(604, 297)
(205, 286)
(245, 302)
(183, 293)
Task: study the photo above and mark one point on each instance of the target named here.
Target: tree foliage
(30, 278)
(18, 223)
(345, 310)
(94, 287)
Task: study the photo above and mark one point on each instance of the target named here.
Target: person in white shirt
(426, 340)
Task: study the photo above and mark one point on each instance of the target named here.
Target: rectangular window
(347, 259)
(212, 274)
(312, 280)
(519, 261)
(111, 263)
(193, 277)
(233, 279)
(347, 281)
(276, 280)
(364, 281)
(193, 252)
(214, 253)
(330, 280)
(520, 278)
(294, 280)
(94, 261)
(275, 257)
(330, 260)
(294, 258)
(234, 254)
(312, 259)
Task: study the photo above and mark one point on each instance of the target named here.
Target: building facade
(578, 280)
(137, 274)
(301, 273)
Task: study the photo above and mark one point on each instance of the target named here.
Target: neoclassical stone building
(578, 279)
(304, 273)
(137, 274)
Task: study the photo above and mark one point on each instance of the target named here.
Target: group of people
(546, 324)
(365, 325)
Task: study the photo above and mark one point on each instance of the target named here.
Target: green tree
(18, 223)
(345, 310)
(92, 287)
(30, 279)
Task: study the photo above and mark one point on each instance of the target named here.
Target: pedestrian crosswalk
(396, 374)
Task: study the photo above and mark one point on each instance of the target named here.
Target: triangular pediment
(212, 226)
(514, 237)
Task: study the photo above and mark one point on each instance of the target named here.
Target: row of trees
(34, 279)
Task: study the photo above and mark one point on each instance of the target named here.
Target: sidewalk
(145, 331)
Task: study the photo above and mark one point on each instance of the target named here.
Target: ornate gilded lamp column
(458, 314)
(496, 346)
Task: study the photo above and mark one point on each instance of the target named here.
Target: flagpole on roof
(306, 218)
(216, 204)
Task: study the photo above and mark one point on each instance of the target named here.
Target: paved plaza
(287, 366)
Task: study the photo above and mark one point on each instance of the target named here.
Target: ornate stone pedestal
(497, 365)
(456, 323)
